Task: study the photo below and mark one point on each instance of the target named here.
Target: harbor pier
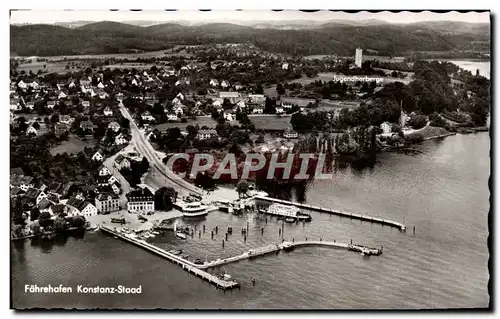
(185, 264)
(377, 220)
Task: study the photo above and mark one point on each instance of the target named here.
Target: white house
(241, 104)
(228, 116)
(258, 110)
(121, 162)
(386, 127)
(22, 85)
(206, 134)
(98, 156)
(279, 110)
(225, 84)
(217, 103)
(120, 139)
(114, 126)
(51, 104)
(214, 82)
(290, 134)
(15, 105)
(61, 95)
(80, 207)
(176, 101)
(30, 105)
(116, 188)
(286, 105)
(31, 130)
(112, 180)
(284, 66)
(178, 109)
(146, 116)
(172, 117)
(100, 85)
(108, 111)
(141, 200)
(180, 96)
(41, 196)
(104, 171)
(107, 203)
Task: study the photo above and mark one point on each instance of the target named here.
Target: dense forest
(112, 37)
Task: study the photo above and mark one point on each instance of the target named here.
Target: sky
(54, 16)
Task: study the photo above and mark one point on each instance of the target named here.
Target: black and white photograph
(250, 159)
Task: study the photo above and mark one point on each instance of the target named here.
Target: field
(271, 122)
(200, 120)
(50, 67)
(149, 54)
(72, 146)
(329, 105)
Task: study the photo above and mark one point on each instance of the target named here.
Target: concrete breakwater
(387, 222)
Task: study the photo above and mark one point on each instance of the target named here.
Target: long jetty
(185, 264)
(287, 245)
(371, 219)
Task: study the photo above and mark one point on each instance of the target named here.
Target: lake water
(484, 67)
(443, 192)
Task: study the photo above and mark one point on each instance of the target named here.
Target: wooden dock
(377, 220)
(185, 264)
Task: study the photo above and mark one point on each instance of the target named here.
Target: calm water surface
(443, 192)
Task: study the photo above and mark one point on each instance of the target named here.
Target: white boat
(285, 211)
(155, 233)
(180, 235)
(193, 209)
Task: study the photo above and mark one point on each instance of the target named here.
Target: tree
(242, 187)
(36, 125)
(44, 219)
(124, 122)
(192, 131)
(280, 89)
(164, 197)
(34, 214)
(144, 164)
(418, 121)
(78, 221)
(60, 224)
(54, 118)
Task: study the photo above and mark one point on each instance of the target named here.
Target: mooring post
(253, 282)
(199, 234)
(321, 239)
(223, 243)
(212, 234)
(293, 239)
(203, 228)
(279, 232)
(306, 238)
(216, 229)
(262, 231)
(247, 225)
(414, 230)
(226, 236)
(245, 238)
(351, 241)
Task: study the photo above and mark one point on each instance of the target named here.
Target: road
(158, 169)
(125, 186)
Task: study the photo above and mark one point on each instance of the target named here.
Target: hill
(333, 37)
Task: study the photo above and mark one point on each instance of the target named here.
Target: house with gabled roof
(121, 162)
(103, 171)
(98, 156)
(107, 111)
(80, 207)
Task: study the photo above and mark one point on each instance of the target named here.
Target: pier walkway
(288, 245)
(185, 264)
(381, 221)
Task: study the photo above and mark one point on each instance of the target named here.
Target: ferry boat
(192, 209)
(180, 235)
(286, 212)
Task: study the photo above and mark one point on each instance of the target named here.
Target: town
(86, 140)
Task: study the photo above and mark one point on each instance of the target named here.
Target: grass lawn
(201, 121)
(271, 122)
(72, 146)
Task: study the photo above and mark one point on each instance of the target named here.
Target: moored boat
(285, 211)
